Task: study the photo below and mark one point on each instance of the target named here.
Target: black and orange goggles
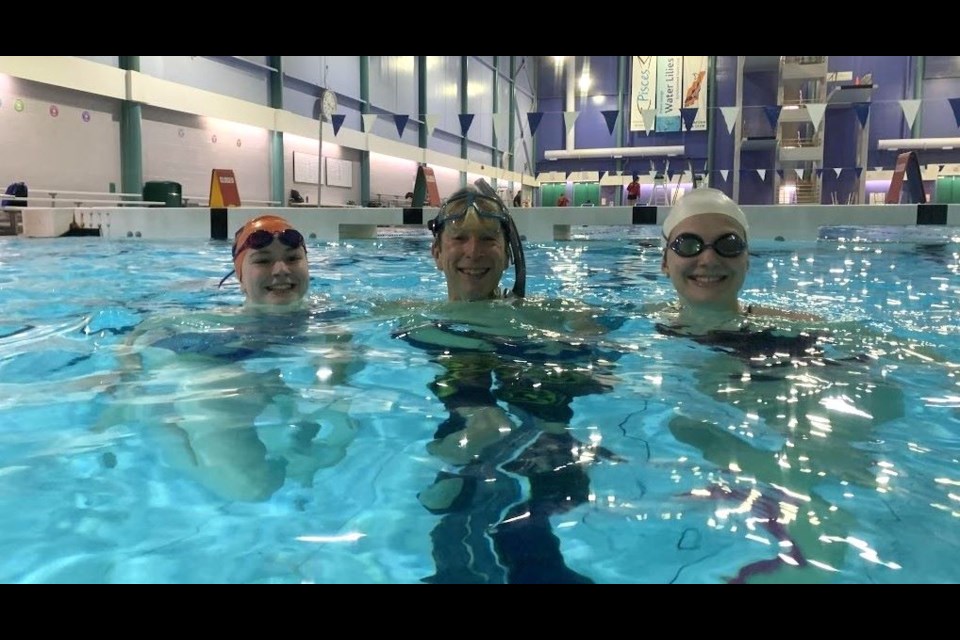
(262, 238)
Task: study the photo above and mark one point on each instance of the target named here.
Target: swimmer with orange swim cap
(270, 260)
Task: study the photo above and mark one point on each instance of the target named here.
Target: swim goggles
(261, 238)
(689, 245)
(454, 211)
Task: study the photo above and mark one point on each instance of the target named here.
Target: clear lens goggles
(454, 212)
(689, 245)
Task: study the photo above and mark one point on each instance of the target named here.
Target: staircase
(808, 192)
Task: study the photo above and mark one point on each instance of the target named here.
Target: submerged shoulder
(785, 314)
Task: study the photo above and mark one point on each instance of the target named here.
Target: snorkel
(498, 211)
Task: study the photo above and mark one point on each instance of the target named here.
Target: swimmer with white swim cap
(706, 259)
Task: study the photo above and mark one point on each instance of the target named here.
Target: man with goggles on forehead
(509, 376)
(474, 240)
(270, 260)
(706, 259)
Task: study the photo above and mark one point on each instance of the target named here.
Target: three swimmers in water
(509, 405)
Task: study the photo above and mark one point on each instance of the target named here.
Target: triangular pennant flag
(859, 171)
(337, 121)
(368, 120)
(649, 119)
(837, 170)
(569, 117)
(801, 173)
(910, 109)
(652, 173)
(431, 120)
(401, 122)
(819, 173)
(730, 117)
(773, 114)
(780, 173)
(955, 105)
(611, 118)
(466, 119)
(762, 173)
(501, 124)
(862, 109)
(815, 111)
(533, 119)
(724, 173)
(940, 168)
(653, 166)
(688, 114)
(670, 175)
(567, 174)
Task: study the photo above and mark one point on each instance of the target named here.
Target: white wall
(186, 149)
(331, 195)
(66, 151)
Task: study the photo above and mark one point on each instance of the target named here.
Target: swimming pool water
(702, 467)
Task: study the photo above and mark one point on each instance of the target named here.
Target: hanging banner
(644, 86)
(695, 89)
(669, 98)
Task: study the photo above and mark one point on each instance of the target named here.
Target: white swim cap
(703, 200)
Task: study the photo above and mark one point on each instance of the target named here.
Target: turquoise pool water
(674, 461)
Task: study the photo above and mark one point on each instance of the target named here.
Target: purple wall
(893, 78)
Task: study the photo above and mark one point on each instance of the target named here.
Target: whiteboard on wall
(306, 168)
(339, 173)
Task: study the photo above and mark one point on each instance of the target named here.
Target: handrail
(243, 201)
(54, 192)
(78, 203)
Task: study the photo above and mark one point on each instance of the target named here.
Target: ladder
(659, 189)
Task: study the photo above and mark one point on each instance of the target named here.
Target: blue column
(277, 191)
(131, 142)
(364, 108)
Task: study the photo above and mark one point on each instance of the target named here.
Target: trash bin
(169, 193)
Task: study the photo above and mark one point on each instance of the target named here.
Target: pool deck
(536, 224)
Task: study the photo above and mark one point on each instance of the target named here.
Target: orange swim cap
(271, 223)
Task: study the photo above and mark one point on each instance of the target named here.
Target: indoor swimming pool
(635, 456)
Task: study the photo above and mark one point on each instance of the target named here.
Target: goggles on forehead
(454, 212)
(262, 238)
(689, 245)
